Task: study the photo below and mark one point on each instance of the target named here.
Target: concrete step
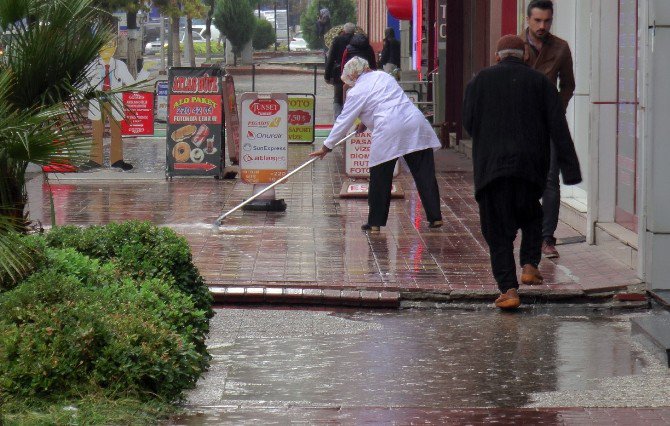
(654, 333)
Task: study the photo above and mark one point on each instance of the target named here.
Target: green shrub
(59, 338)
(141, 251)
(264, 35)
(31, 246)
(200, 49)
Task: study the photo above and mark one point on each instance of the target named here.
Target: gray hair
(517, 53)
(349, 28)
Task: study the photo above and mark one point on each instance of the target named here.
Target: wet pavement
(315, 252)
(276, 366)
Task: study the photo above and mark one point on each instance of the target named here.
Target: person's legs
(338, 99)
(498, 224)
(96, 146)
(116, 146)
(551, 203)
(379, 193)
(422, 165)
(529, 214)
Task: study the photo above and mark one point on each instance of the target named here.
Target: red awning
(400, 9)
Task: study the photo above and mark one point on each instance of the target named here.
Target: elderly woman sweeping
(399, 129)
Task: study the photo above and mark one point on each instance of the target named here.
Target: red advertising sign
(264, 107)
(138, 108)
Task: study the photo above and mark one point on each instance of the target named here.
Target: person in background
(552, 57)
(390, 58)
(323, 24)
(398, 129)
(359, 45)
(513, 114)
(333, 69)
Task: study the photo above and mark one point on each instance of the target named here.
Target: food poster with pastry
(195, 122)
(264, 137)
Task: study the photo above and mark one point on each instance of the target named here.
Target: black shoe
(371, 229)
(89, 165)
(122, 165)
(435, 224)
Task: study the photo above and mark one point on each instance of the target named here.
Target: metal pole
(253, 77)
(253, 197)
(162, 43)
(288, 31)
(314, 79)
(275, 26)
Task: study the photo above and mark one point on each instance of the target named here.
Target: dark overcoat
(512, 113)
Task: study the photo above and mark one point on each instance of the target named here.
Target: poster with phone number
(194, 122)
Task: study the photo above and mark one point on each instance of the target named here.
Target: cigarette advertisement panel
(264, 137)
(194, 122)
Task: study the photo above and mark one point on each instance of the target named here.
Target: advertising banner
(264, 137)
(301, 112)
(357, 154)
(232, 119)
(138, 108)
(162, 100)
(195, 117)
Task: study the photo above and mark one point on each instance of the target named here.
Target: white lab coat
(119, 76)
(397, 126)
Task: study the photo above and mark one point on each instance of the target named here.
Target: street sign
(301, 112)
(264, 137)
(138, 110)
(195, 117)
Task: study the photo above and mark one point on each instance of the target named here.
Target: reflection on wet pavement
(432, 360)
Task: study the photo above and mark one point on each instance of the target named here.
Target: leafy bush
(29, 247)
(201, 49)
(264, 34)
(60, 338)
(141, 251)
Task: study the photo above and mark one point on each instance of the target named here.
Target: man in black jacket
(333, 66)
(390, 59)
(512, 112)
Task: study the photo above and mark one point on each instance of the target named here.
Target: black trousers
(422, 166)
(506, 205)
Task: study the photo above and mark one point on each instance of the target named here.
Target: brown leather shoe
(508, 300)
(549, 250)
(530, 275)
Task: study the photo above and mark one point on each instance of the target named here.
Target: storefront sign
(232, 119)
(357, 154)
(138, 108)
(264, 137)
(301, 112)
(161, 100)
(194, 122)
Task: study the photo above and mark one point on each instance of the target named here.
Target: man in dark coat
(333, 66)
(390, 59)
(512, 112)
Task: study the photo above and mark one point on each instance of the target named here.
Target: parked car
(153, 47)
(298, 43)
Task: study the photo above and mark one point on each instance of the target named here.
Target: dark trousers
(506, 205)
(551, 200)
(422, 166)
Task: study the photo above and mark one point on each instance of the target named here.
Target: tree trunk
(176, 51)
(190, 57)
(132, 43)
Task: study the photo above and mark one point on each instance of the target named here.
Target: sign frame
(297, 127)
(232, 119)
(264, 137)
(195, 119)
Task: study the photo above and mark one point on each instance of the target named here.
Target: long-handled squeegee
(252, 198)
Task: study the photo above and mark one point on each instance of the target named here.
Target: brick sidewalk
(315, 251)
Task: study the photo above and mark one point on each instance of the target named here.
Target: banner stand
(356, 155)
(266, 202)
